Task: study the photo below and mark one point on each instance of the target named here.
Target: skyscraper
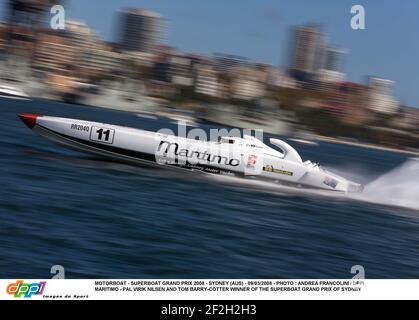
(140, 30)
(306, 50)
(381, 96)
(332, 65)
(333, 59)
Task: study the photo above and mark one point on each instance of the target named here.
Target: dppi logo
(27, 290)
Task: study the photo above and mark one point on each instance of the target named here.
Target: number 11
(102, 132)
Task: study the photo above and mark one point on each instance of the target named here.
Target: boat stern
(338, 183)
(355, 188)
(319, 177)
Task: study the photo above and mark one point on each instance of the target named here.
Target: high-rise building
(332, 65)
(381, 96)
(140, 30)
(333, 59)
(306, 50)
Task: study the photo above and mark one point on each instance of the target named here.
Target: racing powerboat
(236, 156)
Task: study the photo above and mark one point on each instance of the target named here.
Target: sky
(260, 30)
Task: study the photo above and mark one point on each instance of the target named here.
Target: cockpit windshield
(277, 148)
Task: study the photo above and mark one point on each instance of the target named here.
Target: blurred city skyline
(259, 30)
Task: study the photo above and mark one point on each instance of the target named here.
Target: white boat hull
(238, 156)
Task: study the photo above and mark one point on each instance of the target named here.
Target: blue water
(101, 219)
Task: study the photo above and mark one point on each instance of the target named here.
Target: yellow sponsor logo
(272, 169)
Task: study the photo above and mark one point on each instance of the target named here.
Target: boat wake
(396, 188)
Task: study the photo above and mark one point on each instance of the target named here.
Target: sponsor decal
(251, 161)
(21, 289)
(79, 127)
(329, 181)
(166, 146)
(270, 168)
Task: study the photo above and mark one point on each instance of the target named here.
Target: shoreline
(315, 137)
(364, 145)
(343, 142)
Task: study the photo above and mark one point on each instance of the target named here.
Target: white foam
(398, 187)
